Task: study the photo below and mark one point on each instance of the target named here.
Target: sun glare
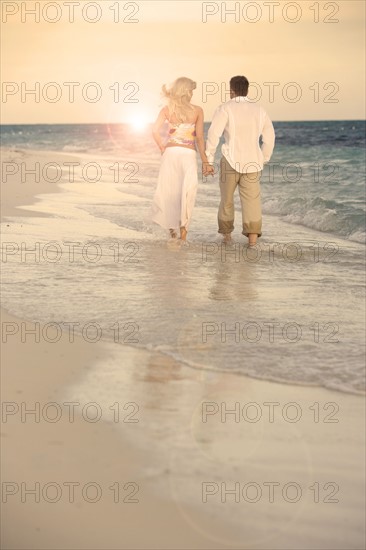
(139, 122)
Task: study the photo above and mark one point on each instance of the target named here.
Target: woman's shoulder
(197, 108)
(197, 112)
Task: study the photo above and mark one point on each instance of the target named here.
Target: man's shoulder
(219, 109)
(231, 103)
(254, 106)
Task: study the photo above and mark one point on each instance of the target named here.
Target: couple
(243, 123)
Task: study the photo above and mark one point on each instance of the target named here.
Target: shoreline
(168, 393)
(214, 371)
(22, 193)
(186, 364)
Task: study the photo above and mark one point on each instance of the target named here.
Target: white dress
(176, 190)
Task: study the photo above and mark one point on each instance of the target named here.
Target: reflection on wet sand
(232, 276)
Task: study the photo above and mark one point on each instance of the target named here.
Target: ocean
(290, 310)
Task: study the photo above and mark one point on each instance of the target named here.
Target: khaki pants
(250, 197)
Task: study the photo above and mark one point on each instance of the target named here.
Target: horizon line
(151, 122)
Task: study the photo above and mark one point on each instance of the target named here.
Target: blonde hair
(178, 95)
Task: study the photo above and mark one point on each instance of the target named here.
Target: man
(242, 123)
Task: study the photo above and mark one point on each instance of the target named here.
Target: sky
(305, 60)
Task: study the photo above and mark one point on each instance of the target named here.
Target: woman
(177, 182)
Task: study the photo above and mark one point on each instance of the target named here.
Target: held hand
(207, 169)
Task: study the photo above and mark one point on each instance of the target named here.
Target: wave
(326, 215)
(331, 384)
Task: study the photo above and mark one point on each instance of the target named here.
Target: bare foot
(227, 238)
(252, 239)
(183, 234)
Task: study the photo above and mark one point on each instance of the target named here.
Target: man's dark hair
(239, 85)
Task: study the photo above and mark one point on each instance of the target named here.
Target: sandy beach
(159, 455)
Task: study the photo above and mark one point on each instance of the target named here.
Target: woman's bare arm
(200, 138)
(156, 129)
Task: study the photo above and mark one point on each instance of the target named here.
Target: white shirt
(242, 122)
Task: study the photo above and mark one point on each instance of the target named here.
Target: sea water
(289, 310)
